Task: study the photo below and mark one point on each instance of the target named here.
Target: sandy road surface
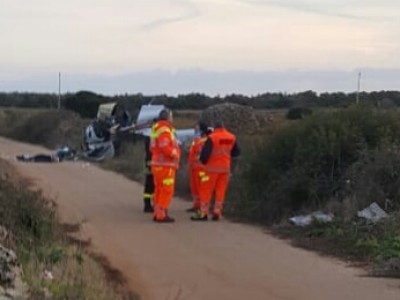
(186, 260)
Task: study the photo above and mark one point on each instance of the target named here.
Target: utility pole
(59, 91)
(358, 88)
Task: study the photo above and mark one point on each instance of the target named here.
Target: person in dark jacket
(216, 156)
(149, 179)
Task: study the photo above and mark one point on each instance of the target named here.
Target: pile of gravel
(236, 118)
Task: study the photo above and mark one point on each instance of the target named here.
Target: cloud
(355, 10)
(211, 83)
(112, 37)
(191, 11)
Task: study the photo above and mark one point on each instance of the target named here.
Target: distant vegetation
(296, 113)
(42, 126)
(324, 157)
(334, 159)
(85, 103)
(338, 161)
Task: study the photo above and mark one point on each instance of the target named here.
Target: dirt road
(186, 260)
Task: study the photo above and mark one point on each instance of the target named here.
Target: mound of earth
(237, 118)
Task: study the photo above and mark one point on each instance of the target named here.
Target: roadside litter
(305, 220)
(372, 213)
(48, 275)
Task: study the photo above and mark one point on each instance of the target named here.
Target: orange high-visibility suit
(195, 167)
(164, 163)
(216, 156)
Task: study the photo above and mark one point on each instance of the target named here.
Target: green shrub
(238, 202)
(30, 216)
(50, 128)
(296, 113)
(303, 166)
(85, 103)
(375, 177)
(37, 128)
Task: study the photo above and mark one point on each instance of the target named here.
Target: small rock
(10, 276)
(6, 275)
(7, 255)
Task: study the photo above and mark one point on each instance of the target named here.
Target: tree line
(86, 102)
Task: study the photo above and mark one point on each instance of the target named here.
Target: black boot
(147, 206)
(192, 209)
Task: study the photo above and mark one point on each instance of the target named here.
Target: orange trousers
(195, 186)
(164, 187)
(213, 183)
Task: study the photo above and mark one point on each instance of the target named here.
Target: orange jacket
(194, 151)
(218, 151)
(164, 148)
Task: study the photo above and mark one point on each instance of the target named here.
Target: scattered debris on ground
(305, 220)
(372, 213)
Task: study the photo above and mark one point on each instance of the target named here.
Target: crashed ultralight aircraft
(113, 120)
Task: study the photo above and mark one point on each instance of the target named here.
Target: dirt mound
(237, 118)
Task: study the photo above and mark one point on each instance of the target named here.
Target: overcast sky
(108, 38)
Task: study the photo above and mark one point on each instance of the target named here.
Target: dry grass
(130, 162)
(76, 276)
(44, 245)
(186, 119)
(49, 128)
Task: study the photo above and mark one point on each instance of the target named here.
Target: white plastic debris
(372, 213)
(305, 220)
(48, 275)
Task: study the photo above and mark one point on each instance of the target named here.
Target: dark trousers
(148, 186)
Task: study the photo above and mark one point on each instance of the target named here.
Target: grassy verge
(375, 246)
(42, 246)
(49, 128)
(339, 162)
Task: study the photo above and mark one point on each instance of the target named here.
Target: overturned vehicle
(99, 137)
(103, 136)
(97, 141)
(148, 113)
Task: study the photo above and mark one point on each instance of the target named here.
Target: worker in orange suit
(216, 156)
(164, 163)
(201, 131)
